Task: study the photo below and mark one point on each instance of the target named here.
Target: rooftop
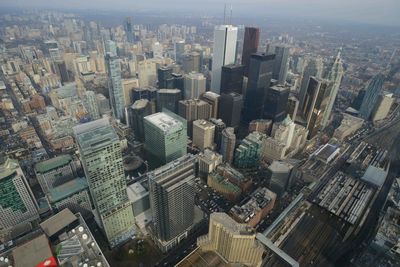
(58, 222)
(67, 189)
(375, 176)
(8, 167)
(136, 191)
(53, 163)
(163, 121)
(139, 104)
(230, 224)
(32, 252)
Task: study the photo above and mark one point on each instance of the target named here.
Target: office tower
(315, 104)
(212, 99)
(128, 85)
(195, 85)
(136, 113)
(261, 125)
(62, 71)
(292, 107)
(165, 79)
(228, 143)
(372, 92)
(230, 109)
(314, 67)
(335, 75)
(169, 99)
(279, 173)
(248, 153)
(250, 46)
(235, 242)
(114, 80)
(232, 79)
(260, 75)
(128, 30)
(208, 162)
(382, 107)
(101, 157)
(157, 49)
(203, 134)
(91, 106)
(103, 104)
(224, 52)
(179, 47)
(149, 93)
(17, 202)
(165, 138)
(172, 193)
(55, 171)
(191, 62)
(147, 73)
(194, 109)
(281, 63)
(275, 103)
(219, 127)
(179, 81)
(356, 104)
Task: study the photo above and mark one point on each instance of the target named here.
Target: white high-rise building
(224, 52)
(195, 85)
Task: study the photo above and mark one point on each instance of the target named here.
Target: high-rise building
(228, 143)
(382, 107)
(191, 62)
(335, 75)
(129, 30)
(203, 134)
(314, 68)
(17, 202)
(248, 153)
(103, 104)
(212, 99)
(315, 104)
(195, 85)
(230, 109)
(292, 107)
(275, 103)
(250, 46)
(224, 52)
(165, 138)
(372, 92)
(219, 127)
(232, 79)
(128, 86)
(279, 173)
(179, 48)
(260, 75)
(165, 79)
(281, 63)
(101, 157)
(114, 80)
(208, 162)
(91, 106)
(172, 193)
(235, 242)
(169, 99)
(192, 110)
(261, 125)
(136, 113)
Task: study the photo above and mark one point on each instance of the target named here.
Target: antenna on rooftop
(224, 13)
(230, 18)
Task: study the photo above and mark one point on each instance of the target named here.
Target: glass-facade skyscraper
(101, 157)
(250, 46)
(372, 92)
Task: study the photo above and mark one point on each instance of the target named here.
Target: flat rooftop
(53, 163)
(163, 121)
(58, 222)
(67, 189)
(136, 191)
(32, 252)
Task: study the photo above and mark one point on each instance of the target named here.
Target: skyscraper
(192, 110)
(165, 138)
(248, 153)
(315, 104)
(292, 107)
(17, 202)
(260, 74)
(372, 92)
(101, 157)
(128, 30)
(203, 134)
(314, 67)
(219, 127)
(335, 75)
(232, 79)
(276, 102)
(195, 85)
(228, 143)
(224, 52)
(165, 79)
(230, 109)
(212, 99)
(191, 62)
(136, 113)
(250, 46)
(281, 63)
(171, 189)
(169, 99)
(179, 48)
(114, 80)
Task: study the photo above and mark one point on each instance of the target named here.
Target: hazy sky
(370, 11)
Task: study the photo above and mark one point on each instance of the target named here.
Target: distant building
(382, 107)
(348, 126)
(235, 242)
(232, 79)
(313, 68)
(195, 85)
(250, 46)
(191, 62)
(17, 202)
(230, 109)
(165, 138)
(169, 99)
(370, 98)
(281, 63)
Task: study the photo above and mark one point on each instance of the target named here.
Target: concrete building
(248, 153)
(370, 98)
(382, 107)
(279, 173)
(213, 100)
(234, 176)
(101, 157)
(136, 113)
(172, 200)
(275, 104)
(139, 197)
(348, 126)
(223, 186)
(235, 242)
(203, 134)
(314, 68)
(261, 125)
(147, 73)
(195, 85)
(281, 64)
(165, 138)
(91, 105)
(169, 99)
(228, 144)
(191, 62)
(230, 109)
(127, 87)
(55, 171)
(192, 110)
(292, 107)
(219, 127)
(224, 52)
(17, 202)
(259, 205)
(208, 162)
